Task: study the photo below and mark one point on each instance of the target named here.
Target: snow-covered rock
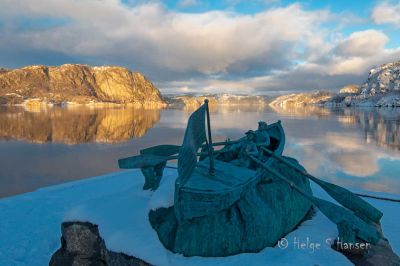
(381, 89)
(383, 79)
(391, 100)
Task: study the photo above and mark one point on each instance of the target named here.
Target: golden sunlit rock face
(77, 125)
(225, 100)
(78, 84)
(352, 88)
(301, 99)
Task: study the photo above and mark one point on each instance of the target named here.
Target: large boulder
(81, 245)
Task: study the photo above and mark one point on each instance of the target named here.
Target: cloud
(206, 43)
(387, 13)
(362, 43)
(187, 3)
(278, 48)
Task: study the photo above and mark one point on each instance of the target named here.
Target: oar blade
(360, 207)
(351, 201)
(162, 150)
(339, 215)
(141, 161)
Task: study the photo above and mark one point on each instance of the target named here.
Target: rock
(302, 99)
(382, 89)
(11, 98)
(383, 79)
(391, 100)
(82, 245)
(366, 254)
(81, 84)
(217, 99)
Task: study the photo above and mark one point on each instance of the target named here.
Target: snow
(30, 224)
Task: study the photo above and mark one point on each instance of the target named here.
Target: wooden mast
(210, 147)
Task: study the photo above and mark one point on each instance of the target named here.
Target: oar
(162, 150)
(167, 149)
(336, 214)
(146, 160)
(346, 198)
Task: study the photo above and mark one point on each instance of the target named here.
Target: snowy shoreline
(30, 224)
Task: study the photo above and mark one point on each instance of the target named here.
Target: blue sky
(251, 47)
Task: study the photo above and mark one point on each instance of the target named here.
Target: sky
(190, 46)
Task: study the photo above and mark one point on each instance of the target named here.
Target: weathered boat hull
(264, 213)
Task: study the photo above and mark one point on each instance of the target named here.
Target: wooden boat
(228, 183)
(222, 209)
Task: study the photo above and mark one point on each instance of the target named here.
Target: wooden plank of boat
(203, 194)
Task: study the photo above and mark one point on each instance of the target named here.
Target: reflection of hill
(229, 108)
(76, 125)
(302, 111)
(380, 125)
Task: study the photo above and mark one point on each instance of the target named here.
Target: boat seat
(204, 194)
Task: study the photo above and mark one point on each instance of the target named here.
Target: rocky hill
(80, 84)
(381, 89)
(301, 99)
(192, 101)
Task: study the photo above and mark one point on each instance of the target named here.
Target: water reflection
(356, 148)
(379, 125)
(75, 125)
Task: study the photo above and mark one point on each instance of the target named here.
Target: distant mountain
(217, 99)
(300, 99)
(381, 89)
(79, 84)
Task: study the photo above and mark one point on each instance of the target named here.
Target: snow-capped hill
(383, 79)
(381, 89)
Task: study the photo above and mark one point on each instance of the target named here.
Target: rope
(375, 197)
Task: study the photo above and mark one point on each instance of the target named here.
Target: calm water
(357, 148)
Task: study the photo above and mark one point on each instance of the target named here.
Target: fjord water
(354, 147)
